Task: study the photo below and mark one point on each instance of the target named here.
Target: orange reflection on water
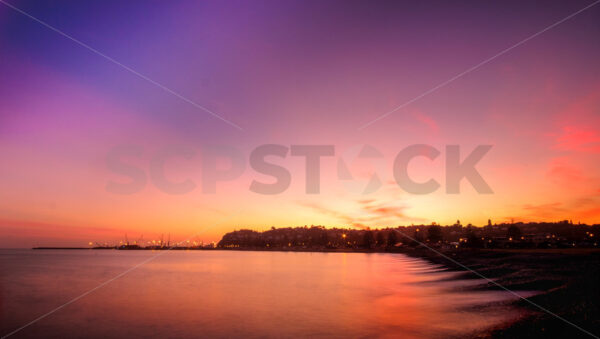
(251, 294)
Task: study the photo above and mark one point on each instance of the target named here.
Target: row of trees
(318, 236)
(315, 236)
(465, 236)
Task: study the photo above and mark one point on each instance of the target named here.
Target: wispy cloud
(576, 125)
(584, 207)
(561, 171)
(367, 213)
(428, 121)
(578, 139)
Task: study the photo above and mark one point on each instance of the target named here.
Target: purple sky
(293, 73)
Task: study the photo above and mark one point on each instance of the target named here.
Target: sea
(241, 294)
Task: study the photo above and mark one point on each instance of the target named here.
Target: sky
(154, 75)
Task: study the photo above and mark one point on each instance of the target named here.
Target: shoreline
(568, 282)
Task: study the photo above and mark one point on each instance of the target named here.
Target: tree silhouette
(323, 238)
(418, 237)
(434, 233)
(380, 238)
(473, 241)
(368, 239)
(392, 238)
(513, 232)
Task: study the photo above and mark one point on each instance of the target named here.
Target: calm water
(234, 294)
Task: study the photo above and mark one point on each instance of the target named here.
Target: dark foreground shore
(568, 279)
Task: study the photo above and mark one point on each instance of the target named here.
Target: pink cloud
(562, 172)
(427, 121)
(578, 139)
(577, 125)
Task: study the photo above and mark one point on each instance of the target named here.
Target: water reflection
(251, 294)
